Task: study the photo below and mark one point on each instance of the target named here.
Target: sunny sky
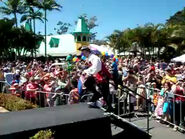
(113, 14)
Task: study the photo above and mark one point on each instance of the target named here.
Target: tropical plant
(13, 7)
(32, 16)
(16, 40)
(5, 32)
(177, 18)
(48, 5)
(177, 38)
(176, 26)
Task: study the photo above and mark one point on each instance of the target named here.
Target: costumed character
(96, 75)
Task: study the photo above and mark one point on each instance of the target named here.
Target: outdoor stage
(69, 121)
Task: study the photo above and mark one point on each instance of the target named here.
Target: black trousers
(104, 89)
(90, 85)
(179, 111)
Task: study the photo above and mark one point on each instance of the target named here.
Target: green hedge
(14, 103)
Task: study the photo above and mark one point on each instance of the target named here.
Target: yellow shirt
(169, 78)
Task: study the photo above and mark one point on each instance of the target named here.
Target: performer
(97, 74)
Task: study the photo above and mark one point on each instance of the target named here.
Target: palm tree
(48, 5)
(5, 34)
(32, 15)
(177, 38)
(177, 18)
(13, 7)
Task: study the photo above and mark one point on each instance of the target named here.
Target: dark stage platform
(67, 121)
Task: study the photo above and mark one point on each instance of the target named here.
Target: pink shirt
(31, 86)
(47, 88)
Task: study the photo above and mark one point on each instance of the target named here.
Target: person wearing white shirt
(95, 63)
(97, 69)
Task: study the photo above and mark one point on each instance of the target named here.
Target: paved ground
(158, 130)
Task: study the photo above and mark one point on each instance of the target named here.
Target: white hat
(17, 71)
(141, 86)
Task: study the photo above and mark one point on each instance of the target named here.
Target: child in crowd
(73, 95)
(15, 89)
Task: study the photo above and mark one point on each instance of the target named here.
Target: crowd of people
(160, 82)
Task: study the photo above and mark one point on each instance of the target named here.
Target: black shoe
(109, 109)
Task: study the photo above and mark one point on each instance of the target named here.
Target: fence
(121, 101)
(124, 106)
(178, 113)
(4, 87)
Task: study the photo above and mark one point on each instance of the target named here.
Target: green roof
(38, 43)
(28, 26)
(54, 42)
(81, 26)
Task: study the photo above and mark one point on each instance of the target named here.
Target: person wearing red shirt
(31, 89)
(48, 88)
(179, 105)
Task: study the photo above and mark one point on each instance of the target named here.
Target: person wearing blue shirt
(115, 73)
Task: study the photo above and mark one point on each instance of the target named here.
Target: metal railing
(181, 105)
(177, 106)
(50, 99)
(4, 86)
(123, 94)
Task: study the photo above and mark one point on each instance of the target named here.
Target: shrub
(43, 134)
(14, 103)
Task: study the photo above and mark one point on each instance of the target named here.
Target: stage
(68, 120)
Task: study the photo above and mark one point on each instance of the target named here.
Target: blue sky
(113, 14)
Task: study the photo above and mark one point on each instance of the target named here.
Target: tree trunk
(34, 26)
(15, 15)
(34, 35)
(32, 53)
(149, 52)
(45, 34)
(158, 53)
(18, 52)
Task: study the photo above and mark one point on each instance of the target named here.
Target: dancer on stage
(96, 74)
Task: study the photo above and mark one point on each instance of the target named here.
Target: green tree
(16, 40)
(177, 18)
(62, 27)
(176, 26)
(32, 16)
(118, 41)
(5, 33)
(13, 7)
(48, 5)
(177, 38)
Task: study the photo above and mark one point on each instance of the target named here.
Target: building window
(84, 39)
(54, 42)
(79, 38)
